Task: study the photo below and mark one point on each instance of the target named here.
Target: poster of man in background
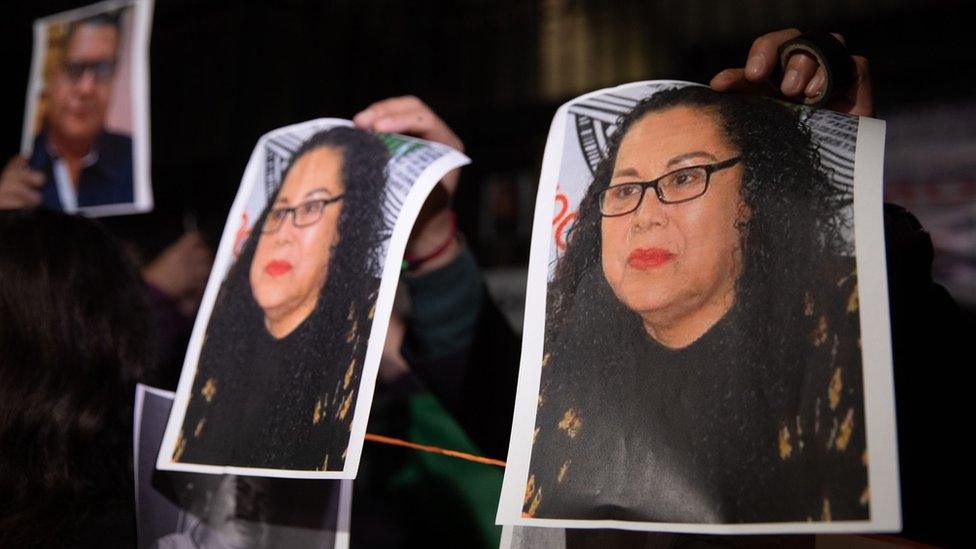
(86, 122)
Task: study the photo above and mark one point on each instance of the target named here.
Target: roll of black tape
(830, 53)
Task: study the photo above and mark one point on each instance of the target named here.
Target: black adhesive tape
(830, 53)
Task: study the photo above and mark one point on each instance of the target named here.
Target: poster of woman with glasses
(86, 124)
(279, 374)
(709, 272)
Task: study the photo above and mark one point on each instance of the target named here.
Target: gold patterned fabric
(279, 403)
(723, 431)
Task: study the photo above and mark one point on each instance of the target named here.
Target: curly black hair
(790, 240)
(344, 303)
(361, 228)
(355, 260)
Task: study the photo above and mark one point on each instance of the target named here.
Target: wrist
(433, 245)
(430, 232)
(451, 251)
(156, 276)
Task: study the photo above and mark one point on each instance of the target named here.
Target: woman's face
(676, 264)
(290, 265)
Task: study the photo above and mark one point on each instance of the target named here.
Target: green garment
(475, 486)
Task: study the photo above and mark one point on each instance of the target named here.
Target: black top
(269, 403)
(632, 430)
(108, 180)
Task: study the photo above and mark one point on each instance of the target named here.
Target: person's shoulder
(115, 142)
(40, 158)
(40, 140)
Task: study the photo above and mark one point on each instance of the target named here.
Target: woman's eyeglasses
(671, 188)
(303, 215)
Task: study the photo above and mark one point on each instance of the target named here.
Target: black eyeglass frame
(654, 183)
(103, 70)
(294, 214)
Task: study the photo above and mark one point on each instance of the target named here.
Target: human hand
(435, 224)
(407, 115)
(20, 185)
(181, 271)
(803, 77)
(392, 364)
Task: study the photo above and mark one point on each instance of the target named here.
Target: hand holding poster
(86, 125)
(707, 344)
(279, 375)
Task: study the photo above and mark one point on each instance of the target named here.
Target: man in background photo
(83, 164)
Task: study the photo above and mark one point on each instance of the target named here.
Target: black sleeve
(928, 331)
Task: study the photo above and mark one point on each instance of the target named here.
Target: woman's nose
(650, 212)
(288, 230)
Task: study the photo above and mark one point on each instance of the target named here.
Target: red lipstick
(648, 258)
(277, 267)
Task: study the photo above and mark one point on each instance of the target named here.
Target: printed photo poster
(282, 362)
(86, 121)
(177, 510)
(706, 341)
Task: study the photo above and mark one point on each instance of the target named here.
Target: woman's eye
(278, 215)
(685, 178)
(624, 191)
(310, 208)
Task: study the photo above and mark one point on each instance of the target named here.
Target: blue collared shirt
(106, 177)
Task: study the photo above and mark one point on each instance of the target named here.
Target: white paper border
(142, 12)
(141, 391)
(345, 515)
(885, 503)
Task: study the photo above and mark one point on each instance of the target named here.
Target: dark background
(225, 72)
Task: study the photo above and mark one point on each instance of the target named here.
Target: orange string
(433, 449)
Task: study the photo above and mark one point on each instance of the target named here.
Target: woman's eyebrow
(317, 191)
(632, 172)
(284, 199)
(625, 172)
(687, 156)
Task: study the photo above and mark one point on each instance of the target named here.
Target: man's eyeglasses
(101, 70)
(303, 215)
(671, 188)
